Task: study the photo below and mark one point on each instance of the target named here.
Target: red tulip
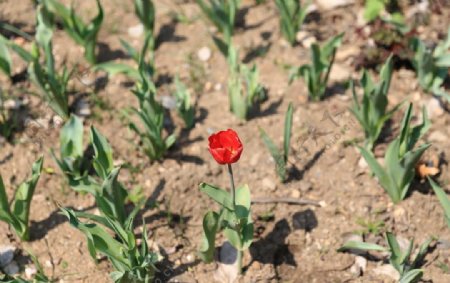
(225, 146)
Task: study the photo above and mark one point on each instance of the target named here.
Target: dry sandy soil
(293, 243)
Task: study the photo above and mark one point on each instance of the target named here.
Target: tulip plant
(83, 34)
(292, 16)
(280, 156)
(131, 262)
(17, 214)
(443, 199)
(151, 115)
(432, 65)
(244, 89)
(407, 267)
(222, 13)
(71, 161)
(52, 85)
(185, 108)
(316, 75)
(371, 112)
(234, 217)
(400, 158)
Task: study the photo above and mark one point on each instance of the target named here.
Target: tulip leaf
(218, 195)
(17, 214)
(288, 130)
(278, 157)
(210, 228)
(356, 245)
(443, 199)
(103, 160)
(411, 276)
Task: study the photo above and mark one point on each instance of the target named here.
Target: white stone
(434, 108)
(331, 4)
(30, 271)
(218, 87)
(169, 102)
(362, 163)
(308, 41)
(204, 54)
(136, 31)
(57, 120)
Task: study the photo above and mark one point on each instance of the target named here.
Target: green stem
(233, 190)
(233, 197)
(239, 261)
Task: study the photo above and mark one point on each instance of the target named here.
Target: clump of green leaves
(222, 13)
(151, 116)
(244, 89)
(400, 158)
(83, 34)
(52, 85)
(131, 262)
(372, 112)
(443, 199)
(280, 156)
(72, 162)
(292, 16)
(234, 219)
(17, 214)
(432, 65)
(185, 108)
(316, 75)
(408, 267)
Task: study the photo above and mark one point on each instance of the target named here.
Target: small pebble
(204, 54)
(12, 268)
(136, 31)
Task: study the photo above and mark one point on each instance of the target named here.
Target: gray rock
(169, 102)
(227, 270)
(6, 255)
(12, 268)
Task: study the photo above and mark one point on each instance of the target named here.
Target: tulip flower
(225, 146)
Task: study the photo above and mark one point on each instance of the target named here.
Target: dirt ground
(293, 243)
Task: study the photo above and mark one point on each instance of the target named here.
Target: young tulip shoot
(317, 73)
(17, 214)
(400, 158)
(234, 218)
(280, 156)
(407, 265)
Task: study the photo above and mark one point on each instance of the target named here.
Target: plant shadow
(167, 34)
